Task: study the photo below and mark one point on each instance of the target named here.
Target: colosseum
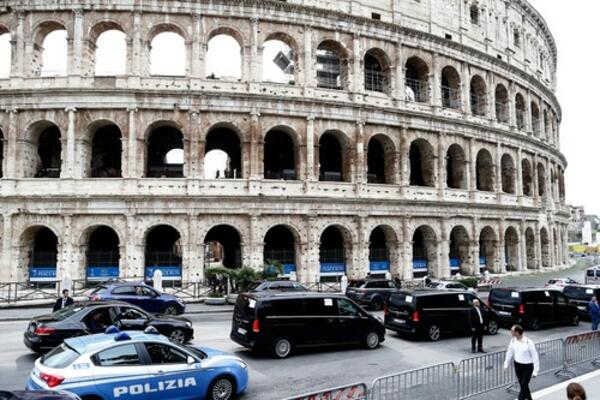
(407, 137)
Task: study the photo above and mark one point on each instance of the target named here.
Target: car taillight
(522, 309)
(51, 380)
(95, 298)
(489, 303)
(385, 309)
(256, 326)
(415, 316)
(42, 331)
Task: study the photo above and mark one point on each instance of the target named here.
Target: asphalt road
(304, 372)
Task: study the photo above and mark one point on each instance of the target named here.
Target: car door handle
(159, 373)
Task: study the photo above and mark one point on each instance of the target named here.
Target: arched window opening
(520, 111)
(162, 161)
(168, 55)
(332, 253)
(332, 163)
(224, 247)
(102, 255)
(49, 153)
(530, 248)
(485, 171)
(502, 108)
(377, 71)
(224, 58)
(42, 252)
(535, 119)
(527, 178)
(478, 96)
(455, 168)
(474, 13)
(280, 247)
(223, 155)
(379, 251)
(163, 252)
(278, 62)
(5, 54)
(417, 75)
(547, 126)
(111, 53)
(424, 246)
(450, 88)
(331, 66)
(487, 250)
(54, 53)
(541, 175)
(459, 252)
(280, 156)
(106, 153)
(508, 174)
(421, 164)
(545, 242)
(511, 249)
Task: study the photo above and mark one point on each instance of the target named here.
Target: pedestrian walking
(594, 310)
(575, 392)
(476, 323)
(522, 352)
(63, 302)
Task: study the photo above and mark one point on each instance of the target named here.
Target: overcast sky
(575, 25)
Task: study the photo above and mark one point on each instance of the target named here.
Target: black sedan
(48, 331)
(37, 395)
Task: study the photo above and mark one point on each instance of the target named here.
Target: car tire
(371, 340)
(171, 310)
(434, 333)
(376, 304)
(492, 328)
(281, 348)
(177, 336)
(575, 320)
(221, 388)
(534, 324)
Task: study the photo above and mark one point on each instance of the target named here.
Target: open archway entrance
(380, 243)
(459, 252)
(165, 153)
(421, 164)
(224, 246)
(223, 154)
(41, 247)
(530, 248)
(487, 250)
(455, 168)
(425, 258)
(280, 246)
(280, 156)
(163, 252)
(106, 152)
(102, 258)
(332, 254)
(545, 241)
(511, 249)
(49, 153)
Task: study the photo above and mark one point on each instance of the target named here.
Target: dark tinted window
(66, 312)
(402, 300)
(245, 307)
(578, 293)
(431, 301)
(320, 307)
(356, 283)
(560, 299)
(164, 354)
(124, 290)
(118, 356)
(505, 296)
(283, 307)
(346, 308)
(450, 300)
(131, 313)
(377, 285)
(538, 296)
(590, 272)
(145, 291)
(60, 357)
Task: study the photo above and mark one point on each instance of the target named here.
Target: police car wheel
(221, 388)
(282, 348)
(170, 310)
(371, 340)
(177, 336)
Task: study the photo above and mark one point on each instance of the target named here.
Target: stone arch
(459, 251)
(508, 174)
(530, 248)
(175, 40)
(226, 138)
(224, 246)
(94, 47)
(485, 171)
(287, 59)
(163, 139)
(478, 96)
(527, 178)
(511, 249)
(417, 80)
(281, 159)
(488, 250)
(451, 88)
(282, 244)
(422, 163)
(502, 104)
(42, 150)
(163, 27)
(520, 109)
(232, 39)
(335, 251)
(425, 252)
(382, 244)
(333, 64)
(334, 157)
(535, 118)
(545, 250)
(38, 254)
(377, 70)
(5, 48)
(102, 255)
(228, 31)
(40, 33)
(163, 250)
(456, 177)
(541, 175)
(547, 126)
(381, 159)
(103, 152)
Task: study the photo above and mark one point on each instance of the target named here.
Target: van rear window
(578, 293)
(590, 272)
(505, 296)
(245, 307)
(401, 299)
(60, 357)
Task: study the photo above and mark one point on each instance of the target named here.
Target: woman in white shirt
(525, 356)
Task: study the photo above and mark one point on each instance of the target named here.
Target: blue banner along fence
(169, 272)
(46, 273)
(102, 273)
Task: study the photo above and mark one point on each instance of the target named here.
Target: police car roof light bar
(151, 331)
(111, 329)
(122, 336)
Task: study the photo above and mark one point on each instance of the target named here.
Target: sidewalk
(590, 382)
(25, 314)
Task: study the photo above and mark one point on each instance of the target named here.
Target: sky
(576, 29)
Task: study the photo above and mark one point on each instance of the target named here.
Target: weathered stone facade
(470, 143)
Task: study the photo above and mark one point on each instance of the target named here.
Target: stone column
(443, 270)
(501, 247)
(312, 268)
(512, 105)
(465, 84)
(361, 248)
(523, 258)
(407, 253)
(400, 88)
(132, 146)
(537, 240)
(254, 62)
(68, 252)
(357, 70)
(310, 149)
(255, 245)
(498, 167)
(11, 152)
(134, 250)
(196, 45)
(472, 171)
(441, 164)
(437, 83)
(475, 250)
(75, 62)
(404, 162)
(519, 177)
(309, 63)
(534, 178)
(6, 257)
(137, 50)
(18, 47)
(256, 168)
(192, 150)
(68, 163)
(490, 96)
(361, 164)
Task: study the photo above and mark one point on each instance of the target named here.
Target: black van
(280, 322)
(533, 307)
(434, 313)
(581, 295)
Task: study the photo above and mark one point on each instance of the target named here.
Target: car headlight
(188, 324)
(179, 300)
(241, 364)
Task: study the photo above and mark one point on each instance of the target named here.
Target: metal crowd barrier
(484, 373)
(582, 348)
(436, 382)
(357, 391)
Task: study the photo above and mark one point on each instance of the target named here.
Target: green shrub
(469, 282)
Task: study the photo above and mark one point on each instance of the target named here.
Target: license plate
(582, 308)
(242, 331)
(399, 321)
(504, 313)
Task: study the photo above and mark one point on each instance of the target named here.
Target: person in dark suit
(477, 323)
(63, 302)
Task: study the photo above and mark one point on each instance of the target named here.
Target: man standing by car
(594, 309)
(476, 322)
(63, 302)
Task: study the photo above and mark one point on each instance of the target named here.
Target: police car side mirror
(191, 360)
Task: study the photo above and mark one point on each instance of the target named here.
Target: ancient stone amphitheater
(409, 137)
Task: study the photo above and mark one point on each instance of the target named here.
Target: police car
(133, 365)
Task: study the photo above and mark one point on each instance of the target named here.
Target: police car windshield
(200, 354)
(60, 357)
(66, 312)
